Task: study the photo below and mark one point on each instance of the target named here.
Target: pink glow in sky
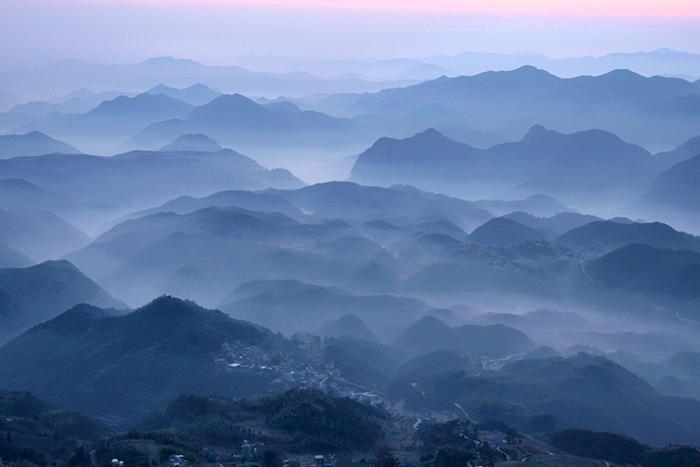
(651, 8)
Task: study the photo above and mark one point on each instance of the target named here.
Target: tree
(454, 456)
(271, 458)
(386, 458)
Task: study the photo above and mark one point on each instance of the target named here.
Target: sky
(268, 33)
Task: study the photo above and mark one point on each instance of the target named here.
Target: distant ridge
(234, 119)
(508, 102)
(197, 94)
(543, 161)
(193, 142)
(33, 143)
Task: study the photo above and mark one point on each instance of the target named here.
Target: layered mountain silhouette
(292, 306)
(682, 153)
(103, 128)
(192, 143)
(543, 161)
(32, 144)
(11, 258)
(675, 189)
(197, 94)
(91, 359)
(40, 235)
(65, 75)
(207, 245)
(352, 201)
(16, 193)
(38, 293)
(582, 391)
(235, 119)
(510, 101)
(553, 226)
(643, 269)
(503, 231)
(42, 109)
(145, 177)
(347, 325)
(250, 200)
(604, 236)
(536, 205)
(672, 196)
(662, 61)
(429, 334)
(207, 252)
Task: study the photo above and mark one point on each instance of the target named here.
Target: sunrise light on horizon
(621, 8)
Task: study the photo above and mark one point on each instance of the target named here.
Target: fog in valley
(424, 256)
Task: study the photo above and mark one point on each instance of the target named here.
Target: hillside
(504, 232)
(430, 334)
(643, 269)
(36, 433)
(309, 420)
(352, 201)
(292, 306)
(234, 119)
(103, 128)
(542, 161)
(38, 293)
(197, 94)
(208, 252)
(91, 360)
(582, 391)
(605, 236)
(127, 180)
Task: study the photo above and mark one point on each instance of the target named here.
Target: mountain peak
(168, 302)
(192, 142)
(537, 132)
(430, 133)
(231, 101)
(141, 103)
(230, 107)
(168, 61)
(622, 75)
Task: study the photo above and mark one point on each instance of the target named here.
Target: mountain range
(509, 102)
(293, 306)
(543, 161)
(663, 61)
(235, 119)
(429, 334)
(644, 269)
(66, 75)
(197, 94)
(105, 127)
(348, 200)
(144, 178)
(583, 391)
(605, 236)
(126, 365)
(207, 252)
(32, 144)
(673, 195)
(31, 295)
(196, 142)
